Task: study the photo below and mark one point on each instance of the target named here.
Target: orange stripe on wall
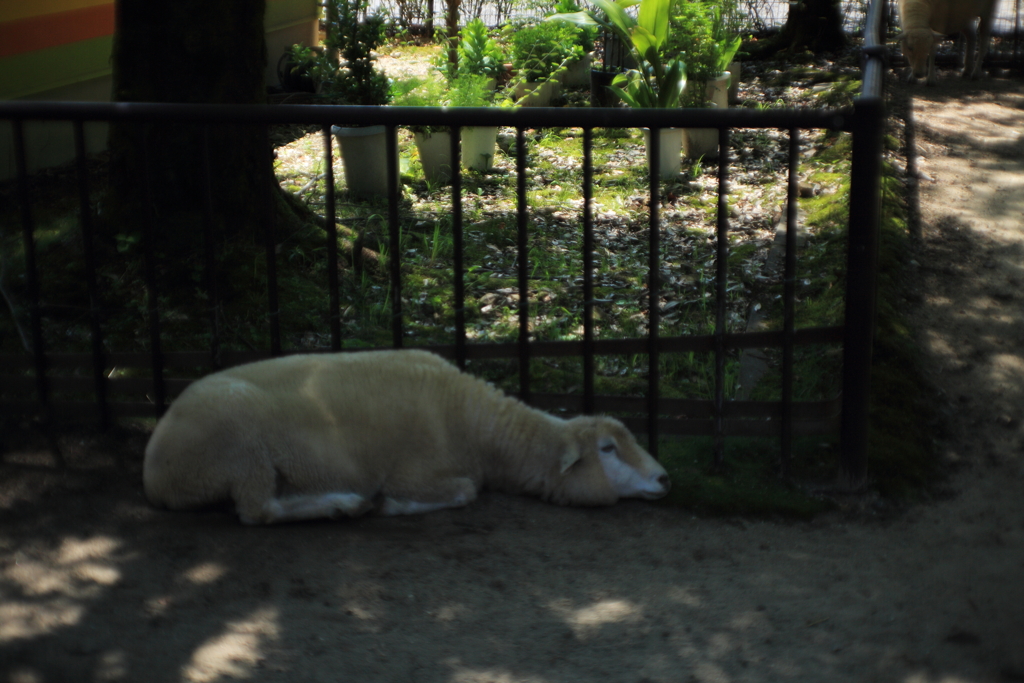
(11, 10)
(51, 30)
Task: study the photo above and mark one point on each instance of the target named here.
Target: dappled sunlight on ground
(925, 678)
(463, 675)
(205, 572)
(43, 588)
(588, 620)
(234, 653)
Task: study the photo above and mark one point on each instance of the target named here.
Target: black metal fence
(28, 381)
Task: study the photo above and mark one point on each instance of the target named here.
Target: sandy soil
(96, 585)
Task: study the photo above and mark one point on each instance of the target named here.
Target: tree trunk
(191, 51)
(815, 25)
(453, 33)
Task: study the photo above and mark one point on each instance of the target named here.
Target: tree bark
(814, 25)
(453, 33)
(190, 51)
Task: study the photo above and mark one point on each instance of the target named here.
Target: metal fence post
(95, 306)
(31, 274)
(654, 292)
(861, 286)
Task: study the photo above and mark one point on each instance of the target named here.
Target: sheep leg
(310, 506)
(984, 39)
(932, 79)
(446, 493)
(970, 45)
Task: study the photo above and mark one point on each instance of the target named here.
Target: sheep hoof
(399, 506)
(311, 506)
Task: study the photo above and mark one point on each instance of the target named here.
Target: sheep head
(601, 463)
(918, 45)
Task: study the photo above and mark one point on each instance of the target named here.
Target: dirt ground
(96, 585)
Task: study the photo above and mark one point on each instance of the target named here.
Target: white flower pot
(536, 93)
(700, 143)
(718, 90)
(669, 152)
(435, 155)
(577, 74)
(478, 143)
(364, 155)
(735, 68)
(703, 142)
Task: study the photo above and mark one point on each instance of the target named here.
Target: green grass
(901, 460)
(748, 485)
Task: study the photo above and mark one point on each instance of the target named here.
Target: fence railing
(29, 380)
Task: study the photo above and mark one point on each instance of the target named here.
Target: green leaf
(645, 42)
(671, 90)
(650, 84)
(654, 18)
(581, 18)
(729, 50)
(619, 20)
(637, 91)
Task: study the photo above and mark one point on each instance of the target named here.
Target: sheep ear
(570, 457)
(938, 35)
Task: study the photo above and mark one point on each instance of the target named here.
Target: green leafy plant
(585, 35)
(659, 80)
(540, 51)
(479, 54)
(705, 33)
(298, 69)
(467, 90)
(352, 41)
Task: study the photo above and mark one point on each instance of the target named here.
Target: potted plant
(479, 54)
(702, 32)
(539, 54)
(433, 143)
(478, 142)
(659, 79)
(347, 74)
(296, 69)
(577, 72)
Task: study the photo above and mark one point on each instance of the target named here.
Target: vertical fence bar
(862, 268)
(588, 271)
(394, 233)
(789, 304)
(522, 244)
(85, 224)
(331, 227)
(31, 274)
(152, 302)
(459, 284)
(210, 255)
(654, 292)
(721, 292)
(270, 245)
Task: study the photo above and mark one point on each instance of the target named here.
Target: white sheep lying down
(396, 432)
(926, 22)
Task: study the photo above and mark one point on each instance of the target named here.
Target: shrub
(538, 51)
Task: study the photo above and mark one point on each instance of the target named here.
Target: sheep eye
(608, 447)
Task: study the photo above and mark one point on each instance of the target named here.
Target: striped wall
(61, 50)
(49, 44)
